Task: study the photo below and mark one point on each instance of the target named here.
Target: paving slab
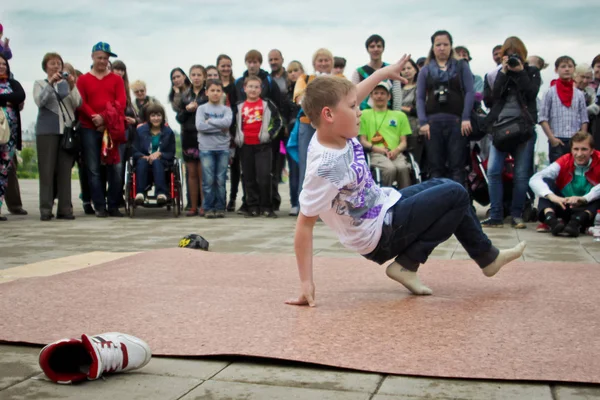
(459, 389)
(300, 377)
(17, 363)
(216, 390)
(576, 392)
(132, 386)
(183, 368)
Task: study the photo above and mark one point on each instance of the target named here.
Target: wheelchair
(173, 176)
(415, 170)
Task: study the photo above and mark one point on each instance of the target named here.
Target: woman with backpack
(445, 98)
(511, 95)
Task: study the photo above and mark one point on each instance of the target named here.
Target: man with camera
(98, 88)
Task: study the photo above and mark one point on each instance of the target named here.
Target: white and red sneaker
(74, 360)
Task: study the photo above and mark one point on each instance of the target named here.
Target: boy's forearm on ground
(303, 247)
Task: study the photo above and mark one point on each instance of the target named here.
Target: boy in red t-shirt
(258, 123)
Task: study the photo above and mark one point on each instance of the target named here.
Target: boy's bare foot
(408, 279)
(504, 257)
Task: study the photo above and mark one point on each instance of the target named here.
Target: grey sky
(153, 36)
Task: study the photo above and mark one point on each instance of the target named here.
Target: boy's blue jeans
(426, 215)
(523, 170)
(214, 173)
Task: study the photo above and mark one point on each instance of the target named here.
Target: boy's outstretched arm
(392, 72)
(303, 247)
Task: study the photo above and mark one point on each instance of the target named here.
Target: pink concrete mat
(533, 321)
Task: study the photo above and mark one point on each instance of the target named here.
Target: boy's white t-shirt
(339, 188)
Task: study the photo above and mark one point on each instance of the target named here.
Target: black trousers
(12, 196)
(256, 167)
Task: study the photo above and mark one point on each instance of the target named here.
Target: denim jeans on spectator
(146, 173)
(293, 176)
(91, 142)
(523, 169)
(554, 153)
(426, 215)
(214, 172)
(305, 134)
(446, 149)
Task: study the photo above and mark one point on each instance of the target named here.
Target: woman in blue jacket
(153, 151)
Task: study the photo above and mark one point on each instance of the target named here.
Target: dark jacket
(184, 117)
(270, 89)
(16, 98)
(527, 82)
(143, 143)
(231, 93)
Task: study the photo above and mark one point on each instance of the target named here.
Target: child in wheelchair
(383, 134)
(153, 153)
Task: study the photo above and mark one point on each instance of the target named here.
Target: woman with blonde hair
(142, 100)
(322, 61)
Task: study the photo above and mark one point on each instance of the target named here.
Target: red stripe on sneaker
(95, 368)
(125, 355)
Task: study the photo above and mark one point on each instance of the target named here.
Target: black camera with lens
(513, 61)
(442, 94)
(64, 74)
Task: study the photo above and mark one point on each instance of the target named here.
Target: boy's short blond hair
(322, 52)
(252, 78)
(324, 91)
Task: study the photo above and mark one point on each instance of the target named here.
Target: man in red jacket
(98, 88)
(569, 188)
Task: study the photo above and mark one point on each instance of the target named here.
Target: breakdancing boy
(379, 223)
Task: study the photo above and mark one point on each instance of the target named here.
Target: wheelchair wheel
(129, 198)
(177, 200)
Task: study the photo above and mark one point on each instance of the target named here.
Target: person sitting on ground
(153, 149)
(379, 223)
(569, 188)
(383, 133)
(142, 100)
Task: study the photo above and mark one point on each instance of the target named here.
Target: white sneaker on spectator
(74, 360)
(161, 199)
(294, 211)
(139, 199)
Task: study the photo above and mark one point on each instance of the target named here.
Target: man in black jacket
(270, 91)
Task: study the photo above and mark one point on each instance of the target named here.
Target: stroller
(477, 182)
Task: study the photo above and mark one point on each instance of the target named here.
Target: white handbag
(4, 127)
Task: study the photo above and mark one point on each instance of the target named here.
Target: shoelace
(111, 356)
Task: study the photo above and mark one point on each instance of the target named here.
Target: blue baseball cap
(105, 47)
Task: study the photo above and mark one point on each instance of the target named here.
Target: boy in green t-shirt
(383, 133)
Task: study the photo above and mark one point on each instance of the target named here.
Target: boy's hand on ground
(307, 298)
(393, 71)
